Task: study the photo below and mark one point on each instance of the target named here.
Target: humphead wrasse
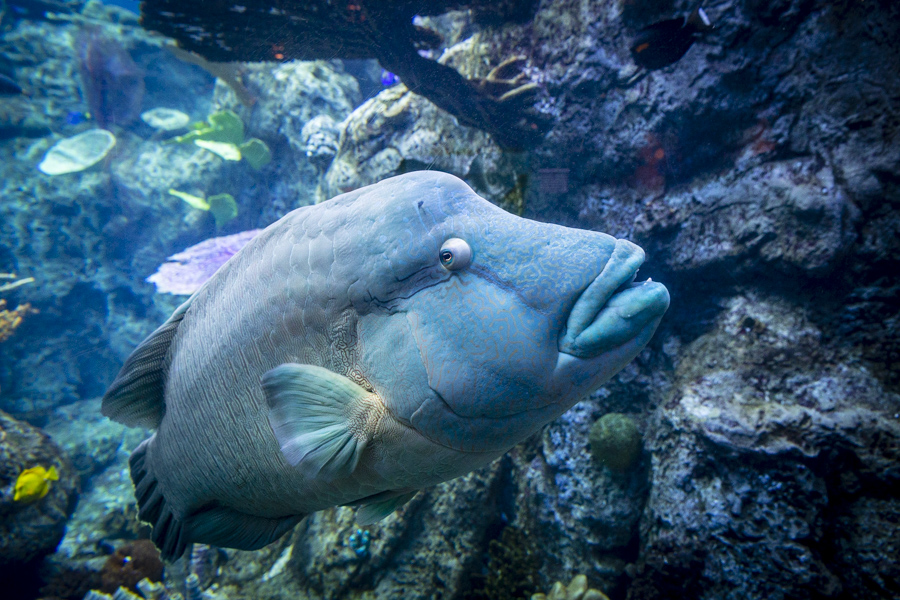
(358, 350)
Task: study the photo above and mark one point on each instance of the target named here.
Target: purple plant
(188, 270)
(112, 83)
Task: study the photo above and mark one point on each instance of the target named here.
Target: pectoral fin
(319, 418)
(376, 511)
(220, 526)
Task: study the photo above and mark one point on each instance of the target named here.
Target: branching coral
(511, 568)
(15, 281)
(10, 319)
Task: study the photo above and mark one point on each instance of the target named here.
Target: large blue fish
(358, 350)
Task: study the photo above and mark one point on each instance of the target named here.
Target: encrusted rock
(321, 137)
(767, 438)
(29, 529)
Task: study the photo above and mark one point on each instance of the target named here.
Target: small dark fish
(661, 44)
(8, 87)
(388, 79)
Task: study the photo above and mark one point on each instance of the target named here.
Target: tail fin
(168, 531)
(215, 525)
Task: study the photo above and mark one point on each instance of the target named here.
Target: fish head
(478, 327)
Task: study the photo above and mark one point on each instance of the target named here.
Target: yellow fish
(34, 483)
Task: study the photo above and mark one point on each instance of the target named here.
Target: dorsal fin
(135, 398)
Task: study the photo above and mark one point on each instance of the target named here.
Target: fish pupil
(446, 257)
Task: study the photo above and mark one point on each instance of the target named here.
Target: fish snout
(614, 309)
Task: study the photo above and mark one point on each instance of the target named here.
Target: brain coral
(615, 441)
(130, 563)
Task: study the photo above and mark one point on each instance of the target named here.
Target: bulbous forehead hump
(384, 240)
(408, 217)
(422, 201)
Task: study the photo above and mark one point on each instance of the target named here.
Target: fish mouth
(613, 309)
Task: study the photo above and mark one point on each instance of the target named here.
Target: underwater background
(750, 451)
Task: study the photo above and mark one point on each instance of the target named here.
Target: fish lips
(613, 309)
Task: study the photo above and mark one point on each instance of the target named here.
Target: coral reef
(77, 230)
(320, 134)
(576, 590)
(11, 319)
(410, 546)
(771, 459)
(501, 103)
(68, 584)
(290, 96)
(184, 272)
(223, 134)
(511, 568)
(615, 441)
(398, 131)
(129, 564)
(582, 518)
(78, 152)
(14, 281)
(222, 207)
(29, 530)
(92, 442)
(165, 119)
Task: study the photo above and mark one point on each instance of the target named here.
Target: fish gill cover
(750, 449)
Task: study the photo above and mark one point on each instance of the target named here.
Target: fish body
(358, 350)
(75, 117)
(34, 483)
(388, 79)
(665, 42)
(8, 87)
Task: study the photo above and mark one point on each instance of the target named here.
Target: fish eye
(455, 254)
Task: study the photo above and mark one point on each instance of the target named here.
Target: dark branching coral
(11, 319)
(129, 564)
(501, 103)
(511, 569)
